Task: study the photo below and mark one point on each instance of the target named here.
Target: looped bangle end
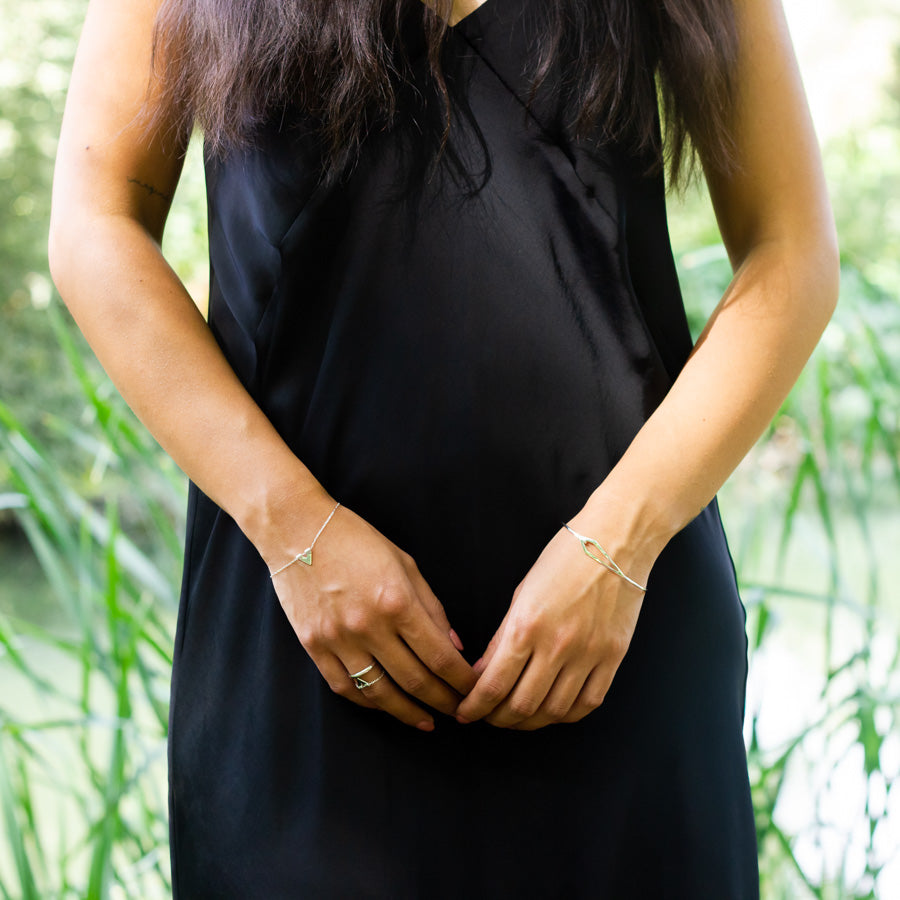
(605, 559)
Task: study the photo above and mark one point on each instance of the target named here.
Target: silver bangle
(306, 556)
(606, 561)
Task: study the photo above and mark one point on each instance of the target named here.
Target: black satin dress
(461, 368)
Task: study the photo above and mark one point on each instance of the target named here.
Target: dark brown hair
(226, 65)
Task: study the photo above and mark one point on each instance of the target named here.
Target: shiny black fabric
(460, 367)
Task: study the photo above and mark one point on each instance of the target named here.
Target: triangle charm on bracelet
(305, 556)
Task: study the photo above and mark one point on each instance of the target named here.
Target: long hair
(225, 65)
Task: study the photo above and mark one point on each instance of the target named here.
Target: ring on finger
(361, 683)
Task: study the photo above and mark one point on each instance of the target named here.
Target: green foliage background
(91, 530)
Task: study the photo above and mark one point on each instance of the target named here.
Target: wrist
(284, 512)
(632, 528)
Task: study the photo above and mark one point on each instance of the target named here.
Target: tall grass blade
(14, 835)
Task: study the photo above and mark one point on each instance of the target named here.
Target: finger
(558, 702)
(491, 649)
(338, 678)
(413, 677)
(384, 694)
(591, 695)
(433, 647)
(528, 694)
(494, 683)
(433, 606)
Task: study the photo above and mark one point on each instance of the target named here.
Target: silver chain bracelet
(306, 556)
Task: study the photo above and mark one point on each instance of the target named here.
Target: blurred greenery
(36, 58)
(91, 531)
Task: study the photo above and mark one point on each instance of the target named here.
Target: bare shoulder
(107, 161)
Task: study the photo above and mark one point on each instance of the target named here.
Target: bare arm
(777, 225)
(776, 221)
(111, 195)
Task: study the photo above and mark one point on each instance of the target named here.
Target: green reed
(84, 702)
(82, 788)
(82, 785)
(833, 461)
(84, 695)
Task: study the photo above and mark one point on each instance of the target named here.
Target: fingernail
(479, 664)
(462, 720)
(456, 641)
(425, 726)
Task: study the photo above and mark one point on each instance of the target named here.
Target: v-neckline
(474, 12)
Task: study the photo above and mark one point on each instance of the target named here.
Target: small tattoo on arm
(152, 191)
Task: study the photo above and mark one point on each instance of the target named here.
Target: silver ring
(363, 671)
(362, 683)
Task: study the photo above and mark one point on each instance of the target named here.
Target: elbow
(829, 262)
(73, 238)
(54, 258)
(809, 257)
(811, 239)
(797, 246)
(60, 241)
(813, 264)
(826, 273)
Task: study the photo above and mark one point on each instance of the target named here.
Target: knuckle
(576, 713)
(594, 698)
(556, 711)
(492, 691)
(340, 687)
(617, 645)
(374, 692)
(565, 639)
(442, 663)
(392, 603)
(523, 707)
(412, 683)
(357, 620)
(521, 631)
(328, 632)
(308, 638)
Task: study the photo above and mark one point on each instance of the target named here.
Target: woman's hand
(363, 601)
(557, 650)
(568, 627)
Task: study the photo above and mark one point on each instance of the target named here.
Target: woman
(447, 391)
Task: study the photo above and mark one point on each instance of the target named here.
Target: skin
(570, 621)
(460, 9)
